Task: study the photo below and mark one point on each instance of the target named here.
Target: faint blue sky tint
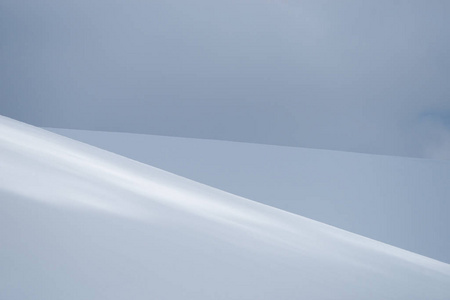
(347, 75)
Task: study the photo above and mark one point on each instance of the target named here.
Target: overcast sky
(365, 76)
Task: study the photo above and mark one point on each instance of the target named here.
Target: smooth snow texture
(400, 201)
(77, 222)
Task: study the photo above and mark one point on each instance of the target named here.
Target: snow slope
(396, 200)
(77, 222)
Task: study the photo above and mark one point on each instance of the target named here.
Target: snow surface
(77, 222)
(396, 200)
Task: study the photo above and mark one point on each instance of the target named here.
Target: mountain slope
(78, 222)
(396, 200)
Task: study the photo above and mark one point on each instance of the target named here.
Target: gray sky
(366, 76)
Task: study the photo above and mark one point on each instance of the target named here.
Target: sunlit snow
(77, 222)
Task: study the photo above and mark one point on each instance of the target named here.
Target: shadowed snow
(79, 222)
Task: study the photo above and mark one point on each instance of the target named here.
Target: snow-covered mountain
(77, 222)
(397, 200)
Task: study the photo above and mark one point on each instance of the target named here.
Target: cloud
(351, 75)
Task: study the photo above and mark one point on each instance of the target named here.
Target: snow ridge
(80, 222)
